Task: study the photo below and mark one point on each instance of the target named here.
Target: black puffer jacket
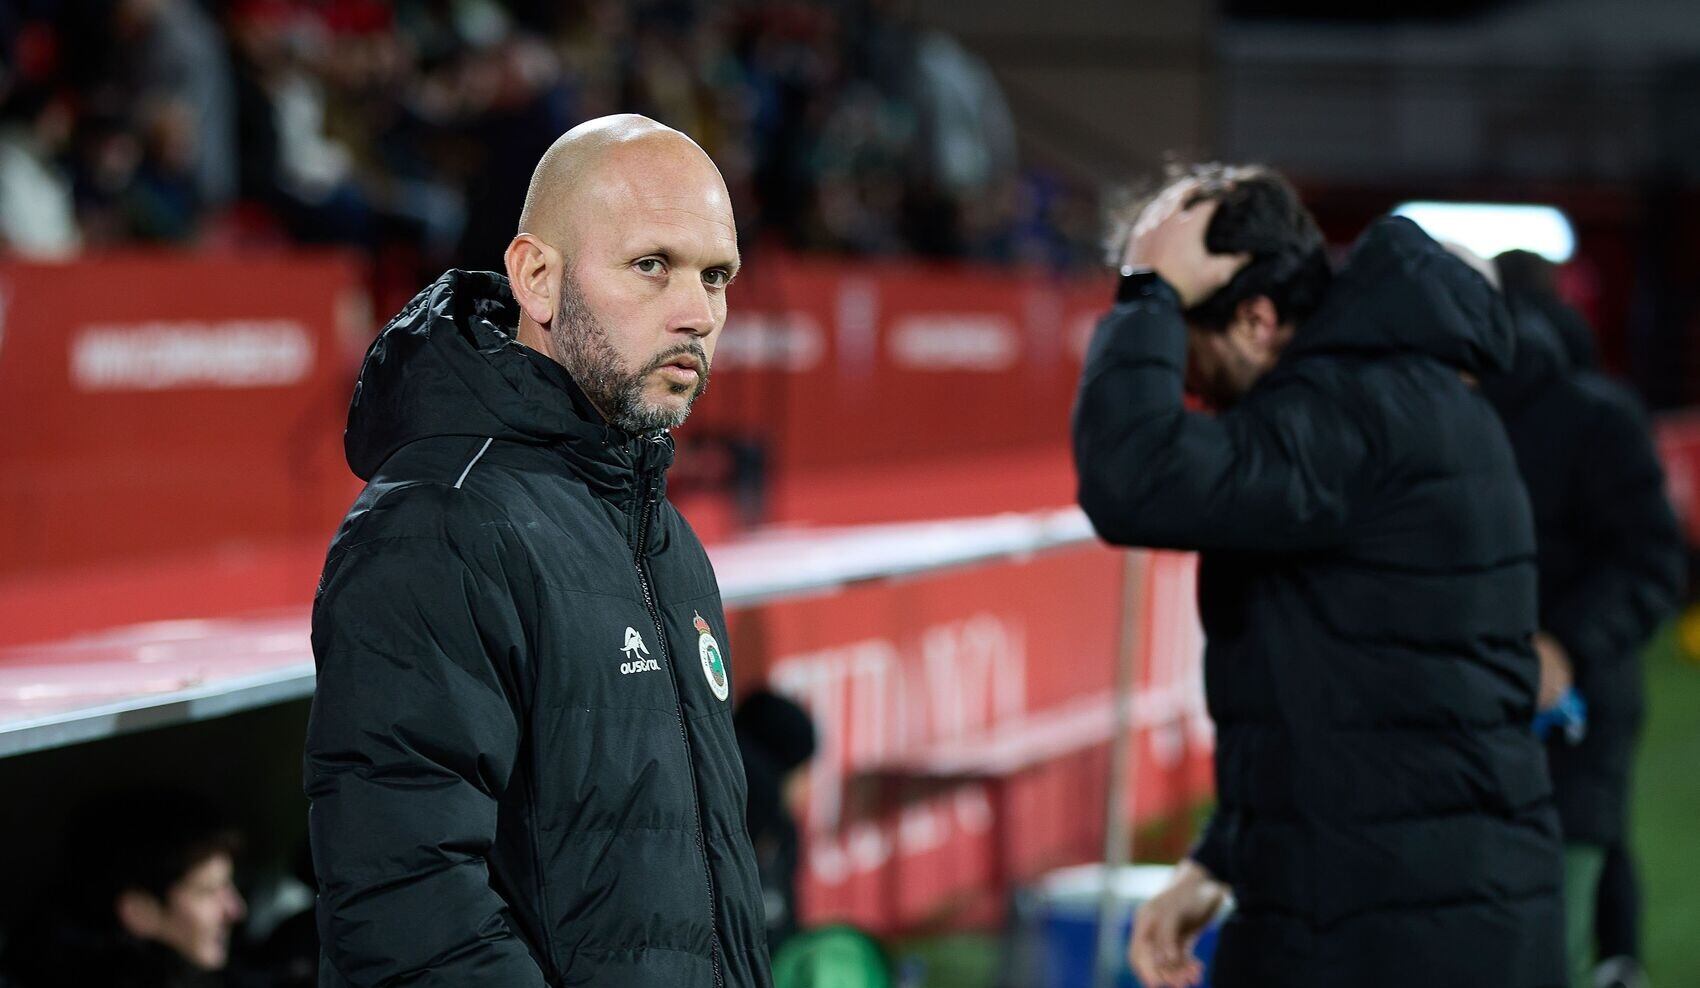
(1367, 591)
(521, 758)
(1611, 556)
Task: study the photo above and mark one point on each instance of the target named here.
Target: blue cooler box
(1059, 920)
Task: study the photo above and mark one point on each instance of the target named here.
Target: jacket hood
(450, 364)
(1542, 358)
(1400, 291)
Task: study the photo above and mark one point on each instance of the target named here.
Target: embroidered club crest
(713, 666)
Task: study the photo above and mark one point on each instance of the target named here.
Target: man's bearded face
(619, 393)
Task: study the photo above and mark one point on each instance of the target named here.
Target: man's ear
(1256, 322)
(1257, 325)
(139, 913)
(532, 277)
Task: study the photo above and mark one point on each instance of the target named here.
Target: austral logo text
(635, 651)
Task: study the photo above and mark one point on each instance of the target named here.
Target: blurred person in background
(37, 207)
(163, 204)
(1611, 563)
(146, 900)
(776, 739)
(1367, 590)
(521, 758)
(37, 210)
(171, 52)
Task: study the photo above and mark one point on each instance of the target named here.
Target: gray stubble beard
(583, 348)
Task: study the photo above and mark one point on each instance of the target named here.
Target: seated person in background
(776, 738)
(146, 900)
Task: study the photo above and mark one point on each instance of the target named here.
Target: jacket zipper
(684, 733)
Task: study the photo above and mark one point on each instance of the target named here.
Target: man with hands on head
(1366, 586)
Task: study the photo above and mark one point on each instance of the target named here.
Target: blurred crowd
(408, 128)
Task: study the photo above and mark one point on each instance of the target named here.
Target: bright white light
(1491, 228)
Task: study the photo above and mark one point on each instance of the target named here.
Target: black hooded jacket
(521, 759)
(1611, 556)
(1367, 589)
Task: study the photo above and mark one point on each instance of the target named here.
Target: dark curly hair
(146, 840)
(1258, 213)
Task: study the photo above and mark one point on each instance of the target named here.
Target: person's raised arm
(1271, 474)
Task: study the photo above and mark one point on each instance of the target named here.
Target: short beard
(1210, 378)
(582, 346)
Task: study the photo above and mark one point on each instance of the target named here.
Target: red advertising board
(964, 722)
(178, 410)
(168, 404)
(175, 424)
(837, 365)
(158, 404)
(1678, 438)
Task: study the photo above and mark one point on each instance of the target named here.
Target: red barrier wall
(980, 667)
(173, 405)
(1678, 438)
(177, 404)
(840, 366)
(163, 407)
(157, 404)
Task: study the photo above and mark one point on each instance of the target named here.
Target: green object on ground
(831, 957)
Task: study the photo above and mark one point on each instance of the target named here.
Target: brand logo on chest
(637, 655)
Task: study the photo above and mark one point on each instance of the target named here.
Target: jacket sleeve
(1271, 474)
(412, 741)
(1214, 848)
(1634, 571)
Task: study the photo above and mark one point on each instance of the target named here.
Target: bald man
(521, 761)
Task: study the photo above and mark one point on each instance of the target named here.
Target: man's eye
(651, 265)
(716, 277)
